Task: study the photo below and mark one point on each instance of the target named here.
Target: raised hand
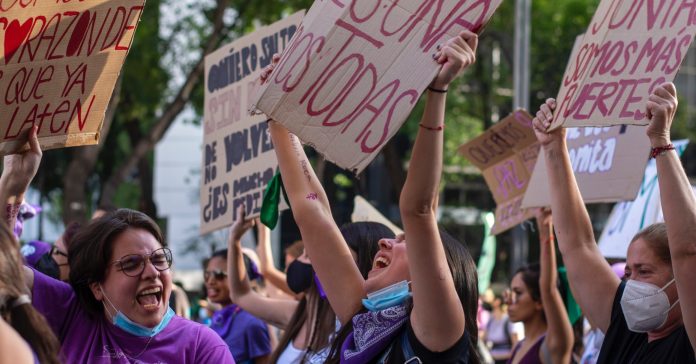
(455, 56)
(542, 121)
(19, 169)
(660, 110)
(240, 226)
(269, 69)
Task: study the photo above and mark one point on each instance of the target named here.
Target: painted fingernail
(434, 55)
(439, 46)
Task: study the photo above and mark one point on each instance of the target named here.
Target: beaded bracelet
(654, 152)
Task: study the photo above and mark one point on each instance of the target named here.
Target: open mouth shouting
(381, 262)
(150, 298)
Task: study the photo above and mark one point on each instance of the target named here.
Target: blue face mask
(124, 323)
(387, 297)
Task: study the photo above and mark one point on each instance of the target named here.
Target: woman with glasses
(246, 335)
(115, 307)
(534, 300)
(55, 263)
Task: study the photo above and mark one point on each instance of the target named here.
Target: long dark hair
(363, 238)
(24, 318)
(465, 277)
(90, 251)
(315, 310)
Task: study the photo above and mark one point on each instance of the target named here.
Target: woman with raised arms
(651, 317)
(422, 290)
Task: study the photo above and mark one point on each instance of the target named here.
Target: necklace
(141, 352)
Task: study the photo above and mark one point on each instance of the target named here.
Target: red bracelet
(437, 128)
(654, 152)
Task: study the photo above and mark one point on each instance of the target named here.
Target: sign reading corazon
(608, 164)
(356, 68)
(238, 160)
(630, 48)
(506, 154)
(54, 54)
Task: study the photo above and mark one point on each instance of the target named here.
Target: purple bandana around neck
(372, 333)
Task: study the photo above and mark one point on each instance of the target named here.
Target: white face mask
(645, 306)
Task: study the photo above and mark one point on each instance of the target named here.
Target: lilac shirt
(89, 340)
(246, 335)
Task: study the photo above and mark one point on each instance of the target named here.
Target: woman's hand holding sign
(455, 56)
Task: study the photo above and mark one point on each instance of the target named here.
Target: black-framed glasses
(215, 273)
(133, 265)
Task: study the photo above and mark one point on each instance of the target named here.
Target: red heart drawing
(15, 35)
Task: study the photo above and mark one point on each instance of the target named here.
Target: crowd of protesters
(104, 292)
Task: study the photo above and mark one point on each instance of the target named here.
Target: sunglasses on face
(56, 251)
(215, 273)
(133, 265)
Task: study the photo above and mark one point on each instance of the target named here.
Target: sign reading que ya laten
(54, 54)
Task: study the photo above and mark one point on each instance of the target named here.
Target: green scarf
(271, 201)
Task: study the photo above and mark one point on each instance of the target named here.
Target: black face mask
(299, 276)
(48, 266)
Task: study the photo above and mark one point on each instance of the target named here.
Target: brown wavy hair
(24, 318)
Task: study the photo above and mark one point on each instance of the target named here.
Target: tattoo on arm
(305, 169)
(303, 161)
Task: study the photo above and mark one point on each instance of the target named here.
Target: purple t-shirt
(246, 335)
(96, 340)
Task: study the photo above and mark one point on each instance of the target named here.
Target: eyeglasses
(55, 251)
(215, 273)
(133, 265)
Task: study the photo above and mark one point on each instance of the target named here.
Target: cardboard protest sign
(629, 217)
(364, 211)
(54, 54)
(238, 160)
(356, 69)
(506, 154)
(608, 164)
(630, 48)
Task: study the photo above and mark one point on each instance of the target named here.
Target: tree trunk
(171, 111)
(75, 198)
(147, 200)
(146, 203)
(484, 81)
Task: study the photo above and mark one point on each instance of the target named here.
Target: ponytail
(34, 329)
